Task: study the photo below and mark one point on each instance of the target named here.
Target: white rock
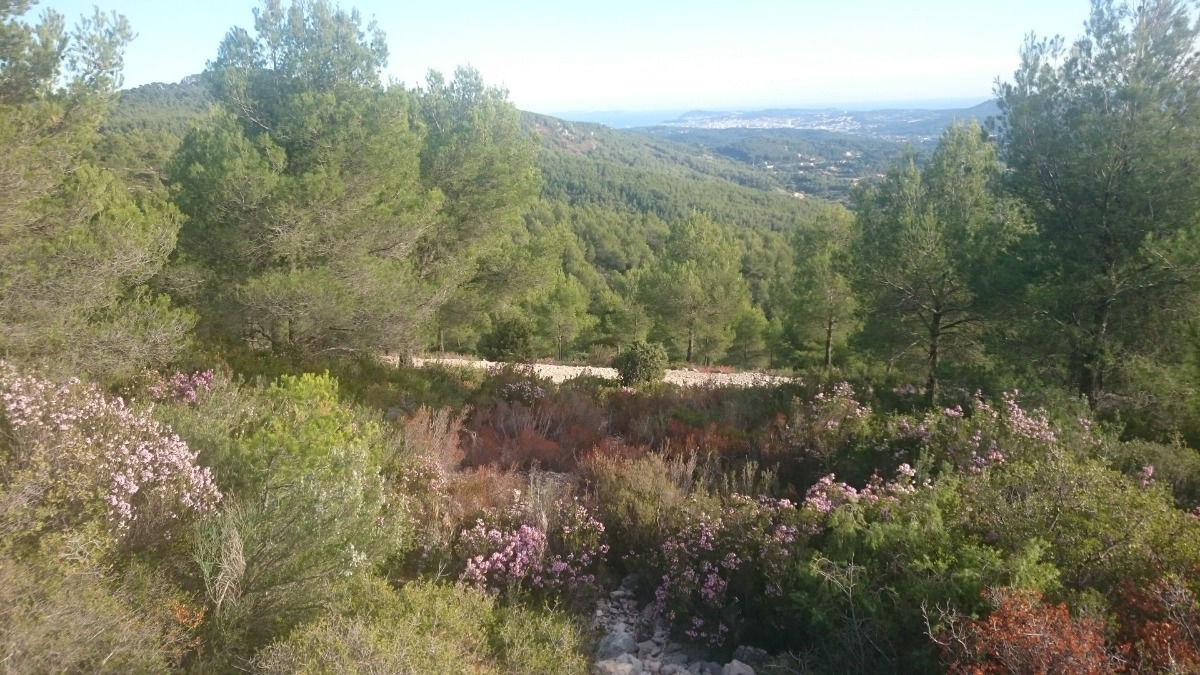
(736, 667)
(615, 644)
(625, 664)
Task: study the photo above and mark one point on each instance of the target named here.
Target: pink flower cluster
(507, 558)
(991, 436)
(907, 431)
(713, 560)
(828, 494)
(821, 428)
(1147, 475)
(182, 387)
(992, 457)
(73, 434)
(524, 391)
(1024, 425)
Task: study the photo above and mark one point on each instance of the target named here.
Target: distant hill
(813, 163)
(916, 126)
(621, 119)
(584, 163)
(665, 174)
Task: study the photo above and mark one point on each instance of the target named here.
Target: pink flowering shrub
(986, 435)
(78, 455)
(722, 570)
(828, 423)
(828, 493)
(828, 431)
(503, 553)
(181, 387)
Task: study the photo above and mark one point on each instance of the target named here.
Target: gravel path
(687, 378)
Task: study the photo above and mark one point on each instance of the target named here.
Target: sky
(637, 55)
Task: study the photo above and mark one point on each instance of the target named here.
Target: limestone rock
(752, 656)
(736, 667)
(615, 644)
(625, 664)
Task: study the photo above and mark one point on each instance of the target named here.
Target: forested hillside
(216, 457)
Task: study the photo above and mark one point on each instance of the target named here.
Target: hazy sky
(653, 54)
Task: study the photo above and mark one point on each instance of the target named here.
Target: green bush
(61, 617)
(310, 508)
(509, 339)
(429, 628)
(641, 363)
(638, 499)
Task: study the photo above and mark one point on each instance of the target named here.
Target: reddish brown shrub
(474, 491)
(1022, 636)
(1160, 627)
(549, 431)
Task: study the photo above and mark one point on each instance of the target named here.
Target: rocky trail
(634, 643)
(559, 373)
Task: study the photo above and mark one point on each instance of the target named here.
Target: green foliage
(749, 347)
(431, 628)
(308, 506)
(693, 290)
(815, 163)
(928, 240)
(1100, 527)
(1096, 138)
(561, 313)
(639, 499)
(886, 564)
(588, 164)
(1174, 465)
(76, 247)
(328, 212)
(510, 339)
(820, 304)
(63, 616)
(641, 363)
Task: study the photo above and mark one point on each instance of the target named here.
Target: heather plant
(181, 387)
(984, 434)
(722, 571)
(511, 552)
(828, 494)
(72, 455)
(823, 434)
(214, 423)
(421, 460)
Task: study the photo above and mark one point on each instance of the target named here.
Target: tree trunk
(829, 325)
(931, 384)
(1094, 360)
(441, 340)
(691, 340)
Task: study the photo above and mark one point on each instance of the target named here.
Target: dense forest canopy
(215, 455)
